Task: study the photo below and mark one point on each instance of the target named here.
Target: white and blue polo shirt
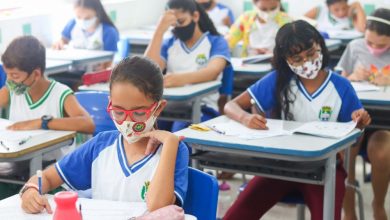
(219, 13)
(105, 37)
(181, 59)
(101, 164)
(334, 100)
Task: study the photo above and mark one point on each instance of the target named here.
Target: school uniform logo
(201, 59)
(144, 190)
(325, 113)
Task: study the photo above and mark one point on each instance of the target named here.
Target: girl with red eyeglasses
(113, 164)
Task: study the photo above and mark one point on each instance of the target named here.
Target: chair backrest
(227, 81)
(95, 102)
(202, 195)
(3, 76)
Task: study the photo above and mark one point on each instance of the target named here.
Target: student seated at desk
(113, 164)
(257, 28)
(373, 49)
(33, 101)
(92, 29)
(300, 89)
(196, 53)
(220, 14)
(338, 15)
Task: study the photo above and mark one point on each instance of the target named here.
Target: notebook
(326, 129)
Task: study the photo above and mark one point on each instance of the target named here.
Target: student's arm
(60, 44)
(4, 96)
(76, 119)
(153, 51)
(356, 11)
(235, 109)
(209, 73)
(161, 189)
(313, 13)
(32, 202)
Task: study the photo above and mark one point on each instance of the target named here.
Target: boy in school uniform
(34, 102)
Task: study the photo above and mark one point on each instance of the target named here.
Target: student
(220, 14)
(373, 49)
(196, 53)
(257, 28)
(338, 15)
(34, 102)
(298, 89)
(92, 29)
(113, 163)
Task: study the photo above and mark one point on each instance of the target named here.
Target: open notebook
(326, 129)
(12, 139)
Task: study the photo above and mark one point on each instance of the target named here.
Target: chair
(202, 195)
(3, 76)
(95, 102)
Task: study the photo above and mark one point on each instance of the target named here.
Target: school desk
(180, 95)
(80, 57)
(300, 158)
(91, 209)
(377, 103)
(139, 38)
(333, 44)
(57, 66)
(34, 149)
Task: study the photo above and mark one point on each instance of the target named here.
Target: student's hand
(361, 74)
(26, 125)
(353, 8)
(173, 80)
(33, 203)
(362, 118)
(152, 146)
(160, 136)
(167, 20)
(381, 80)
(59, 45)
(255, 121)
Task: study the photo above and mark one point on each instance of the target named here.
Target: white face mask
(129, 128)
(86, 24)
(310, 69)
(268, 15)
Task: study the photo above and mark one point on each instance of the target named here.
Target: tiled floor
(283, 211)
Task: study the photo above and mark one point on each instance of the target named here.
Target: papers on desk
(364, 87)
(233, 128)
(344, 34)
(10, 139)
(326, 129)
(261, 58)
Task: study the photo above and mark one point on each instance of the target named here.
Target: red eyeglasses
(139, 115)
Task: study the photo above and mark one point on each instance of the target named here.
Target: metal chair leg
(300, 211)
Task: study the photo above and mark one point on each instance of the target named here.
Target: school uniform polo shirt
(219, 13)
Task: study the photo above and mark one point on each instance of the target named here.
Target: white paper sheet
(364, 87)
(233, 128)
(344, 35)
(326, 129)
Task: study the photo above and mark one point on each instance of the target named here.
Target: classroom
(195, 109)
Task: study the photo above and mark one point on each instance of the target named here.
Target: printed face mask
(375, 51)
(184, 33)
(18, 88)
(129, 128)
(310, 69)
(85, 24)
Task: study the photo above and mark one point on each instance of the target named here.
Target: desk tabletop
(176, 94)
(43, 140)
(91, 209)
(333, 44)
(381, 97)
(141, 36)
(250, 69)
(78, 55)
(297, 145)
(56, 66)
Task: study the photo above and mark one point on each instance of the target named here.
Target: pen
(24, 140)
(4, 146)
(215, 129)
(39, 175)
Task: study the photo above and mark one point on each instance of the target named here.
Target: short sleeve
(231, 16)
(219, 48)
(66, 32)
(263, 92)
(110, 38)
(165, 47)
(349, 99)
(346, 62)
(181, 174)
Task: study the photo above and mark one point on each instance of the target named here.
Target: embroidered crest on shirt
(325, 113)
(201, 60)
(144, 190)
